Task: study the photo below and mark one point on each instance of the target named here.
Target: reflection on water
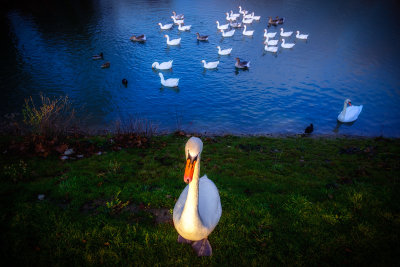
(48, 48)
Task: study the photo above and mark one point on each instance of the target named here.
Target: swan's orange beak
(349, 103)
(189, 169)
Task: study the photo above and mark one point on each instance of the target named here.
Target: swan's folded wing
(209, 203)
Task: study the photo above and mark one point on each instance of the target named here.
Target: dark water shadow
(339, 124)
(174, 89)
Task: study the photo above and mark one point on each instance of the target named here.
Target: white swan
(165, 26)
(349, 114)
(180, 16)
(172, 82)
(177, 21)
(210, 65)
(285, 34)
(272, 49)
(173, 41)
(163, 65)
(248, 16)
(234, 15)
(242, 11)
(222, 27)
(301, 36)
(286, 45)
(247, 33)
(198, 209)
(224, 52)
(184, 28)
(230, 18)
(255, 17)
(271, 42)
(247, 21)
(228, 34)
(269, 34)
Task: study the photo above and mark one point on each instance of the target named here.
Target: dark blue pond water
(352, 52)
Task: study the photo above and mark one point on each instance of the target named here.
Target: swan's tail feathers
(183, 240)
(248, 64)
(202, 247)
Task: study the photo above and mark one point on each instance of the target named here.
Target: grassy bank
(285, 201)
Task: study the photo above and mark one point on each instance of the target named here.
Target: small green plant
(114, 167)
(53, 117)
(16, 172)
(116, 205)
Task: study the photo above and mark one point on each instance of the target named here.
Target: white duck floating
(172, 82)
(285, 34)
(246, 32)
(224, 52)
(166, 26)
(272, 49)
(228, 34)
(286, 45)
(222, 27)
(269, 34)
(184, 28)
(247, 21)
(242, 11)
(229, 18)
(271, 42)
(349, 114)
(173, 41)
(177, 21)
(210, 65)
(301, 36)
(234, 15)
(255, 17)
(198, 209)
(180, 16)
(163, 65)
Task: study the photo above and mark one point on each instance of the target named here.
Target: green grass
(285, 201)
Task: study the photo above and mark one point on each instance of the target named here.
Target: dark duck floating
(99, 56)
(125, 82)
(105, 65)
(202, 37)
(139, 38)
(242, 64)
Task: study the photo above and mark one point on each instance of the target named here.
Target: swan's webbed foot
(183, 240)
(202, 247)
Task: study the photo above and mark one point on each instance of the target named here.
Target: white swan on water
(172, 82)
(224, 52)
(349, 114)
(198, 209)
(163, 65)
(210, 65)
(173, 41)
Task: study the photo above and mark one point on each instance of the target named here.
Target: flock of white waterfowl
(349, 113)
(227, 30)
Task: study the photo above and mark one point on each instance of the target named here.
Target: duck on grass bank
(198, 209)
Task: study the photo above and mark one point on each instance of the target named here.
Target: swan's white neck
(167, 38)
(190, 218)
(344, 108)
(162, 77)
